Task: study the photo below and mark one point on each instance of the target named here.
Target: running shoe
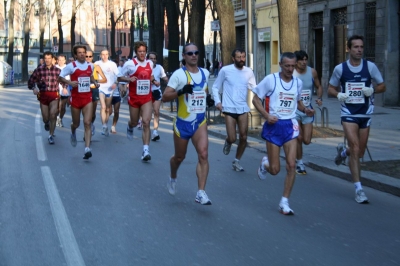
(171, 185)
(51, 140)
(236, 166)
(88, 153)
(58, 122)
(113, 130)
(285, 209)
(301, 169)
(73, 140)
(202, 198)
(155, 136)
(227, 148)
(46, 126)
(92, 128)
(361, 197)
(105, 131)
(262, 172)
(139, 125)
(61, 123)
(129, 133)
(146, 155)
(339, 159)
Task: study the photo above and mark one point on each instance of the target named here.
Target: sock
(145, 147)
(299, 161)
(357, 186)
(104, 125)
(172, 179)
(237, 160)
(87, 149)
(343, 154)
(155, 131)
(283, 199)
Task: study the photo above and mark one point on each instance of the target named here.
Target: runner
(351, 83)
(158, 73)
(81, 76)
(99, 76)
(139, 71)
(111, 72)
(189, 85)
(47, 92)
(115, 104)
(310, 80)
(122, 85)
(234, 81)
(64, 91)
(281, 127)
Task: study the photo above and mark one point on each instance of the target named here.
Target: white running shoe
(262, 172)
(139, 125)
(227, 148)
(361, 197)
(113, 130)
(285, 209)
(171, 185)
(339, 159)
(155, 136)
(236, 166)
(202, 198)
(92, 128)
(129, 133)
(88, 153)
(146, 155)
(58, 122)
(301, 169)
(50, 139)
(73, 140)
(105, 131)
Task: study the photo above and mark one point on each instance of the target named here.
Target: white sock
(357, 186)
(145, 147)
(172, 179)
(283, 199)
(299, 161)
(237, 160)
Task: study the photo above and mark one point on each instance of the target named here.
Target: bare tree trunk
(288, 26)
(159, 31)
(42, 24)
(150, 21)
(132, 31)
(113, 25)
(228, 31)
(196, 25)
(183, 15)
(11, 36)
(24, 61)
(73, 24)
(59, 26)
(215, 17)
(173, 32)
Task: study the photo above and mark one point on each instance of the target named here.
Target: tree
(173, 33)
(215, 17)
(75, 8)
(155, 11)
(288, 25)
(24, 64)
(228, 31)
(10, 57)
(59, 26)
(196, 24)
(132, 31)
(42, 24)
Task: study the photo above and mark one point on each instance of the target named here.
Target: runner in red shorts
(139, 73)
(45, 77)
(81, 76)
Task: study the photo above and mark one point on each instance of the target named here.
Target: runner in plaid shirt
(45, 77)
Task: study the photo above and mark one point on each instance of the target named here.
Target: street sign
(215, 25)
(55, 48)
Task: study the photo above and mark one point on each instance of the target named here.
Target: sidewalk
(383, 143)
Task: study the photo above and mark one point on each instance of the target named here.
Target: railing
(324, 117)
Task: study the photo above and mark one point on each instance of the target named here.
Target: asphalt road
(57, 209)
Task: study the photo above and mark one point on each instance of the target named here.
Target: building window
(370, 26)
(122, 39)
(238, 5)
(339, 17)
(317, 20)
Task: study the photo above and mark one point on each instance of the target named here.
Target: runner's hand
(342, 96)
(368, 91)
(210, 101)
(188, 88)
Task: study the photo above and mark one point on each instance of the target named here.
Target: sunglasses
(89, 56)
(192, 53)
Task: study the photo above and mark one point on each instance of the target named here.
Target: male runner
(64, 91)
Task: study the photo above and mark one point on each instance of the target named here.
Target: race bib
(287, 104)
(83, 84)
(142, 87)
(197, 102)
(306, 97)
(355, 93)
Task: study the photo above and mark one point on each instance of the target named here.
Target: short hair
(300, 55)
(288, 55)
(79, 46)
(188, 44)
(238, 50)
(140, 44)
(48, 53)
(153, 53)
(352, 38)
(62, 55)
(89, 51)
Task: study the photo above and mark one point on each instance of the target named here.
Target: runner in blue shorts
(189, 85)
(281, 127)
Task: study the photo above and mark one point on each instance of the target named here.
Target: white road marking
(41, 153)
(37, 122)
(66, 236)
